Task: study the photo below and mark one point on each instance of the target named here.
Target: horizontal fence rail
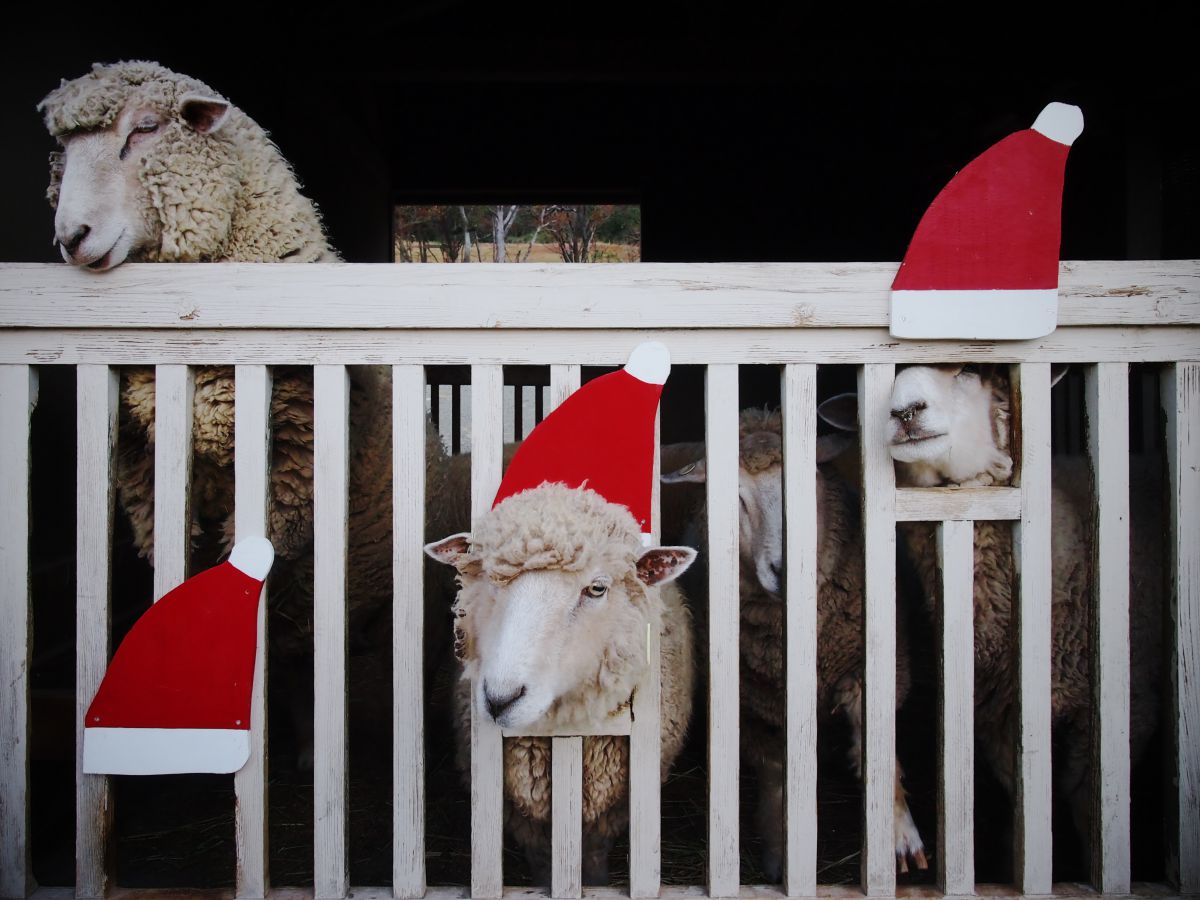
(720, 317)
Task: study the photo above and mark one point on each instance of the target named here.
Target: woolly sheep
(157, 167)
(839, 621)
(556, 594)
(949, 425)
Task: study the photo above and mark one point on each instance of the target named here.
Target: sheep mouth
(106, 261)
(916, 440)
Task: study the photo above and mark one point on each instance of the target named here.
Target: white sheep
(157, 167)
(949, 425)
(840, 593)
(556, 594)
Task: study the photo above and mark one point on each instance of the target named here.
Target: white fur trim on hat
(253, 556)
(974, 314)
(164, 751)
(650, 362)
(1060, 122)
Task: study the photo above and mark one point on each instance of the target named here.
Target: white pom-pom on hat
(253, 556)
(650, 362)
(1060, 122)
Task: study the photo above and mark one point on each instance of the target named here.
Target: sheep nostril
(777, 569)
(71, 244)
(498, 705)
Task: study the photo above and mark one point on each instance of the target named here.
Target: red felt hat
(602, 436)
(176, 696)
(983, 262)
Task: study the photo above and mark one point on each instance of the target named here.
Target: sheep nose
(71, 243)
(906, 415)
(499, 705)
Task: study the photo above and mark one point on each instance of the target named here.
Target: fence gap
(331, 392)
(251, 465)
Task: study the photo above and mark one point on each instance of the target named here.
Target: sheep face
(949, 425)
(105, 211)
(554, 605)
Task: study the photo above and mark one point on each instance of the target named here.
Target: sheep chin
(921, 450)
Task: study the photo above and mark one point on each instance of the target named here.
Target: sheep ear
(452, 550)
(695, 472)
(841, 411)
(204, 115)
(831, 446)
(1058, 372)
(660, 565)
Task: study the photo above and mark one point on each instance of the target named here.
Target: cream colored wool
(556, 527)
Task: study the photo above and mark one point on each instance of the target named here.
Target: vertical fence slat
(408, 628)
(721, 442)
(567, 816)
(879, 548)
(331, 403)
(173, 390)
(1107, 390)
(1181, 401)
(645, 741)
(1033, 851)
(96, 418)
(564, 381)
(487, 748)
(17, 386)
(956, 794)
(251, 464)
(800, 516)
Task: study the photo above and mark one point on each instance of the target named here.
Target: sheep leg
(533, 837)
(597, 844)
(769, 817)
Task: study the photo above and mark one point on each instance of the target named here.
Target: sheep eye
(147, 127)
(596, 589)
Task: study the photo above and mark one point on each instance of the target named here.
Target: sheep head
(760, 493)
(553, 605)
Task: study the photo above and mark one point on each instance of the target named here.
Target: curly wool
(228, 196)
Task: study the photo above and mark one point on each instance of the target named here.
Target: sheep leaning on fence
(949, 426)
(556, 594)
(840, 593)
(157, 167)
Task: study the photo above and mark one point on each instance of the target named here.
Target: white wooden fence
(720, 316)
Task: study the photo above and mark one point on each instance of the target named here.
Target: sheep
(839, 621)
(557, 591)
(949, 425)
(158, 167)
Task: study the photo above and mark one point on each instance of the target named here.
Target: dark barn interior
(756, 135)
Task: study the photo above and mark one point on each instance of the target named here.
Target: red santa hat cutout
(983, 262)
(176, 696)
(601, 437)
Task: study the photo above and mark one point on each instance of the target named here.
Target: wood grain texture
(17, 394)
(771, 346)
(1107, 392)
(1034, 842)
(956, 735)
(487, 758)
(1181, 402)
(800, 517)
(408, 629)
(879, 536)
(564, 381)
(173, 390)
(566, 817)
(251, 464)
(721, 443)
(657, 295)
(938, 504)
(96, 430)
(331, 395)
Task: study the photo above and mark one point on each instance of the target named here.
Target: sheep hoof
(908, 842)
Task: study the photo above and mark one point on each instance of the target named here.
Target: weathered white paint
(331, 396)
(956, 782)
(653, 295)
(564, 381)
(879, 548)
(800, 518)
(251, 464)
(591, 348)
(487, 758)
(96, 426)
(566, 816)
(408, 628)
(173, 390)
(936, 504)
(1107, 391)
(1181, 401)
(721, 447)
(1032, 854)
(17, 384)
